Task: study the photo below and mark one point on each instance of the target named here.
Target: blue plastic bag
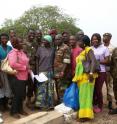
(71, 97)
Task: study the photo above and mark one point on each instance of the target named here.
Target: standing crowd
(63, 59)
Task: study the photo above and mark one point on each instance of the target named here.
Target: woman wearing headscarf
(85, 80)
(44, 62)
(4, 84)
(19, 62)
(102, 56)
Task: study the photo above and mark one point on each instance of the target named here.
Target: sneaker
(17, 116)
(97, 109)
(113, 111)
(23, 113)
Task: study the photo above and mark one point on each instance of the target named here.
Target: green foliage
(43, 18)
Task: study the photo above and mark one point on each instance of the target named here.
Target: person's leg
(15, 102)
(98, 89)
(109, 85)
(50, 93)
(115, 88)
(22, 95)
(30, 89)
(41, 95)
(114, 111)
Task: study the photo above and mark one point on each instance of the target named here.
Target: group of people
(63, 59)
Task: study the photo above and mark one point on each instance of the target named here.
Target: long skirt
(5, 91)
(86, 90)
(45, 92)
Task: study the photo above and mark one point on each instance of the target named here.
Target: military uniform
(113, 70)
(109, 81)
(30, 49)
(62, 56)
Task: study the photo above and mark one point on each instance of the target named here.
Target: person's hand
(91, 79)
(14, 72)
(61, 74)
(1, 84)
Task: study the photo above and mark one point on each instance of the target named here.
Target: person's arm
(106, 57)
(66, 60)
(92, 60)
(112, 63)
(13, 61)
(37, 61)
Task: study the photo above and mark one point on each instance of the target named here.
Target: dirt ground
(101, 118)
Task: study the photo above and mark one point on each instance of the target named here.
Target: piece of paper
(41, 77)
(32, 75)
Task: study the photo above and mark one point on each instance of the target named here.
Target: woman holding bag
(5, 92)
(19, 62)
(85, 80)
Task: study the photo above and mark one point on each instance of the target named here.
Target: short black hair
(31, 29)
(4, 34)
(96, 35)
(11, 30)
(86, 40)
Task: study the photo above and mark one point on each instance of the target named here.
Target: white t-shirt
(100, 53)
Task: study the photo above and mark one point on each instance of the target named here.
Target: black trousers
(18, 88)
(31, 87)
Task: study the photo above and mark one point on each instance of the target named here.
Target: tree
(43, 18)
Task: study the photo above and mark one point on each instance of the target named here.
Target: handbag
(5, 67)
(87, 65)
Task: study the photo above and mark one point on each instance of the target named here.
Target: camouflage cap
(107, 34)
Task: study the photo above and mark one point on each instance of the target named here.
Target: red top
(74, 53)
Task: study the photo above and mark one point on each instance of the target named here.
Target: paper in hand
(41, 77)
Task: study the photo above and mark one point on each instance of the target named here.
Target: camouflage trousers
(109, 86)
(115, 88)
(61, 85)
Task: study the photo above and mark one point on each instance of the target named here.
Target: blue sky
(93, 15)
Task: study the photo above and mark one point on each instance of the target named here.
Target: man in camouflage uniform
(30, 47)
(61, 64)
(109, 82)
(113, 70)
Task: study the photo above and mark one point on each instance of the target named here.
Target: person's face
(53, 35)
(58, 41)
(13, 42)
(95, 41)
(65, 38)
(106, 39)
(12, 34)
(45, 43)
(79, 43)
(17, 43)
(31, 35)
(4, 40)
(72, 41)
(38, 35)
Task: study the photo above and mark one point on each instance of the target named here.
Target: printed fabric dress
(86, 88)
(5, 90)
(45, 90)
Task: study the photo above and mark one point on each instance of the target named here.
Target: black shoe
(113, 111)
(110, 105)
(17, 116)
(23, 113)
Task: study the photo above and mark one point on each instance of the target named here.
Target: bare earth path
(101, 118)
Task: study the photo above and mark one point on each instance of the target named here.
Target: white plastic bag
(63, 109)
